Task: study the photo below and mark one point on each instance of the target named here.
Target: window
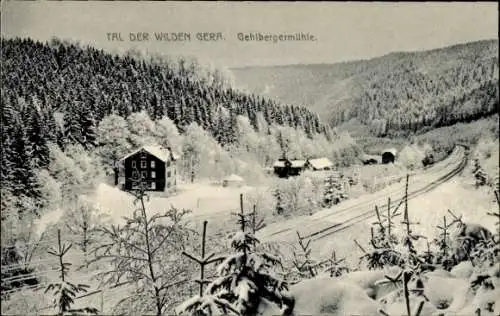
(152, 164)
(153, 175)
(144, 174)
(135, 174)
(168, 184)
(168, 174)
(143, 164)
(134, 164)
(153, 185)
(168, 163)
(143, 155)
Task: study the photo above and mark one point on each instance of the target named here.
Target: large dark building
(154, 166)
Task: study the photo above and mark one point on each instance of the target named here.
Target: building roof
(295, 163)
(298, 163)
(393, 151)
(320, 163)
(157, 151)
(367, 157)
(279, 163)
(233, 178)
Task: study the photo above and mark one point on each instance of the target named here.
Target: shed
(319, 164)
(389, 155)
(233, 181)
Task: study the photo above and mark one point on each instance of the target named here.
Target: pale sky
(344, 31)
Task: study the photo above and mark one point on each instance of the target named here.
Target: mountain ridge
(373, 89)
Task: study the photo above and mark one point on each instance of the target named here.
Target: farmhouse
(389, 155)
(154, 166)
(285, 168)
(319, 164)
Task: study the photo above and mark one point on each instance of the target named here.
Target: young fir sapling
(444, 257)
(382, 240)
(143, 252)
(204, 304)
(335, 267)
(304, 264)
(245, 278)
(64, 291)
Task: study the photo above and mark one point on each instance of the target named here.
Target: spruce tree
(246, 278)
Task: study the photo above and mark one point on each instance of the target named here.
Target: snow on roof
(234, 178)
(320, 163)
(298, 163)
(295, 163)
(393, 151)
(157, 151)
(367, 157)
(279, 163)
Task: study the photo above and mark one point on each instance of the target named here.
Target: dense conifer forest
(397, 94)
(59, 92)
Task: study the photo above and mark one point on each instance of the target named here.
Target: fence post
(102, 301)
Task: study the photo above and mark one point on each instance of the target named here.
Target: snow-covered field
(203, 198)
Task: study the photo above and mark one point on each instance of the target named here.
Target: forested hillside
(60, 93)
(399, 93)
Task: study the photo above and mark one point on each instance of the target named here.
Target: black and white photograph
(250, 158)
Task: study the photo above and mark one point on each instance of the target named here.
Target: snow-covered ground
(202, 198)
(458, 195)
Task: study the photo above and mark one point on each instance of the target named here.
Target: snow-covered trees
(146, 251)
(167, 134)
(75, 170)
(113, 137)
(334, 191)
(245, 280)
(199, 153)
(83, 220)
(142, 129)
(479, 174)
(411, 156)
(296, 195)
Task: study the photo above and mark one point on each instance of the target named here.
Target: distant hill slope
(399, 92)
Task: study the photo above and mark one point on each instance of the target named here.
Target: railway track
(363, 211)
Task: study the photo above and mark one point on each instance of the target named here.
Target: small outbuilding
(318, 164)
(389, 155)
(233, 181)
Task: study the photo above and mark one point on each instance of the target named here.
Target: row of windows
(152, 185)
(144, 164)
(144, 174)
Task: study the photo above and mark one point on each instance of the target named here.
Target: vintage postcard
(249, 158)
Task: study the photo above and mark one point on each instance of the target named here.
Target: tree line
(59, 92)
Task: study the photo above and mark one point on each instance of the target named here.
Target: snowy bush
(411, 156)
(297, 195)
